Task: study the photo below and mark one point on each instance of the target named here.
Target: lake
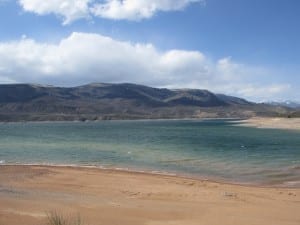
(210, 149)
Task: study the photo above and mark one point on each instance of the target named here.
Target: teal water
(213, 149)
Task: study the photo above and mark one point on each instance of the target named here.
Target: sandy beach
(110, 197)
(272, 123)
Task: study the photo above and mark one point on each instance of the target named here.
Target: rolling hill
(102, 101)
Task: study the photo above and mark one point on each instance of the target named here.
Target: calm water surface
(212, 149)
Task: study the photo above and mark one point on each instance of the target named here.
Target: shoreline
(255, 122)
(153, 173)
(127, 120)
(27, 192)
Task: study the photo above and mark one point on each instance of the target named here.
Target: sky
(245, 48)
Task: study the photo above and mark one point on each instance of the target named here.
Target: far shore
(103, 197)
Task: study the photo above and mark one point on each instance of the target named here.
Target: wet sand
(273, 123)
(110, 197)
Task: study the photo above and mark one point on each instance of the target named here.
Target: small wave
(2, 161)
(178, 160)
(296, 167)
(292, 183)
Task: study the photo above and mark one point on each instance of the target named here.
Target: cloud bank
(71, 10)
(86, 57)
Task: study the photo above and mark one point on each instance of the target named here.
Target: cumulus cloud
(86, 57)
(71, 10)
(136, 9)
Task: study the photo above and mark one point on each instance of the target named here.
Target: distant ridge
(290, 104)
(100, 101)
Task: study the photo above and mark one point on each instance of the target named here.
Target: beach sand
(271, 122)
(111, 197)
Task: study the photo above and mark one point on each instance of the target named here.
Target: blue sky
(244, 48)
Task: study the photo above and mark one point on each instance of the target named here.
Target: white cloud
(137, 9)
(266, 92)
(6, 80)
(85, 57)
(71, 10)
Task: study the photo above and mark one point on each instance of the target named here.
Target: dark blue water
(213, 149)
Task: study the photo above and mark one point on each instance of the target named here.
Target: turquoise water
(213, 149)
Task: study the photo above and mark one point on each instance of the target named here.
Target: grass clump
(54, 218)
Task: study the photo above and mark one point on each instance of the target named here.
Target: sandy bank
(126, 198)
(273, 123)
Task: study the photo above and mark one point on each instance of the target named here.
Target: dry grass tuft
(54, 218)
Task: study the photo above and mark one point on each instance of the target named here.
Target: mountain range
(103, 101)
(290, 104)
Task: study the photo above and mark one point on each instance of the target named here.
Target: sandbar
(271, 123)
